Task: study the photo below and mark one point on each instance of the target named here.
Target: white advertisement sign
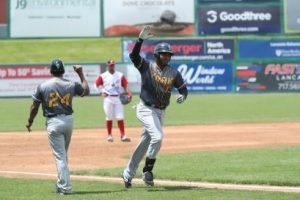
(168, 17)
(292, 16)
(55, 18)
(132, 75)
(23, 80)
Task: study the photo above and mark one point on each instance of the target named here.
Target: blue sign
(239, 20)
(206, 77)
(185, 50)
(268, 77)
(249, 49)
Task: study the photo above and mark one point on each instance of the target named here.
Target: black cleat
(148, 178)
(127, 182)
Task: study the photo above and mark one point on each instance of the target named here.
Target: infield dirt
(30, 152)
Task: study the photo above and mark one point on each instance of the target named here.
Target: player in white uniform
(110, 85)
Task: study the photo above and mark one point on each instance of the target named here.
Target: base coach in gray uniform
(56, 96)
(158, 79)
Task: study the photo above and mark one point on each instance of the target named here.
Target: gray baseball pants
(59, 134)
(151, 138)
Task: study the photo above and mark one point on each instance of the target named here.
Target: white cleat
(110, 138)
(124, 138)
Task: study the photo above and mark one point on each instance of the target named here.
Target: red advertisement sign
(268, 77)
(186, 50)
(3, 12)
(22, 80)
(24, 72)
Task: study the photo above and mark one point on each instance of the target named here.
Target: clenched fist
(77, 69)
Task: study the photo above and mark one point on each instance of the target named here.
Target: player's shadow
(149, 189)
(171, 188)
(97, 192)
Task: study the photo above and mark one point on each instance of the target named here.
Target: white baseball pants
(113, 108)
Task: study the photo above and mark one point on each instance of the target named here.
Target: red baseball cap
(111, 62)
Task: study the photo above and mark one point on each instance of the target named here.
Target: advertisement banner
(31, 18)
(239, 19)
(237, 1)
(22, 80)
(3, 12)
(292, 16)
(269, 49)
(206, 77)
(185, 50)
(132, 75)
(199, 77)
(268, 77)
(167, 17)
(3, 20)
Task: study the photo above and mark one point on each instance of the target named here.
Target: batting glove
(181, 98)
(145, 33)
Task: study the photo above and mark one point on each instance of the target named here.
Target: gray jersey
(157, 84)
(56, 96)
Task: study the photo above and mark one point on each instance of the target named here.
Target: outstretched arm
(135, 54)
(33, 112)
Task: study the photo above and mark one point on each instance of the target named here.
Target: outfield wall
(227, 46)
(200, 77)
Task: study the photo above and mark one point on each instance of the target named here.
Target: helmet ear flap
(156, 55)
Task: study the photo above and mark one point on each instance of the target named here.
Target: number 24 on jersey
(56, 99)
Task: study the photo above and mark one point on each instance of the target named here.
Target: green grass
(69, 50)
(235, 108)
(275, 166)
(198, 109)
(15, 189)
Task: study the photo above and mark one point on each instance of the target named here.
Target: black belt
(154, 106)
(57, 115)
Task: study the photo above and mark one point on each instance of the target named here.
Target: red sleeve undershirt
(99, 81)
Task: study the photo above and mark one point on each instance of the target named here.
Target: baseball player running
(158, 79)
(111, 83)
(56, 96)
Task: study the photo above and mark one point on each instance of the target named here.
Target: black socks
(149, 164)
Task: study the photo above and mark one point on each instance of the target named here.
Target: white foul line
(208, 185)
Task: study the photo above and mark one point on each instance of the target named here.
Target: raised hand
(146, 33)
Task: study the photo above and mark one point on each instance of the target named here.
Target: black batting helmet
(162, 47)
(57, 67)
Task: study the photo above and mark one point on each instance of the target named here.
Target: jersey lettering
(164, 82)
(56, 99)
